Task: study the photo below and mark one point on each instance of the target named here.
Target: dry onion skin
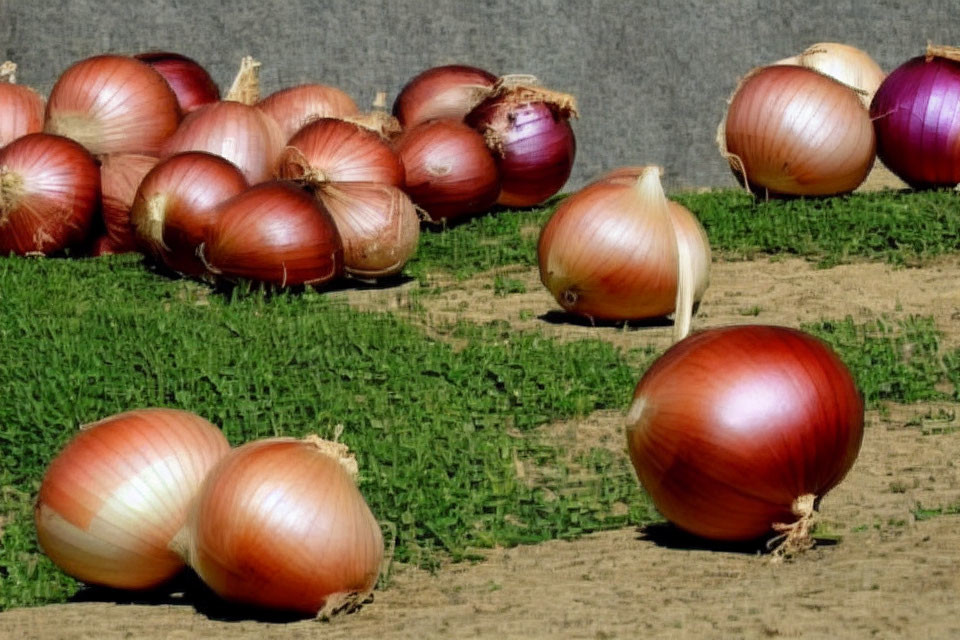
(793, 131)
(112, 500)
(21, 108)
(294, 107)
(619, 250)
(120, 176)
(845, 63)
(738, 432)
(279, 523)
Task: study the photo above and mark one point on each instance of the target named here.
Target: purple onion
(916, 116)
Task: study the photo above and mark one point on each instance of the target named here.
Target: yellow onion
(851, 66)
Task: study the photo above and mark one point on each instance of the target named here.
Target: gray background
(651, 78)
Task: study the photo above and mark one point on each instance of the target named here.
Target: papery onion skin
(241, 133)
(331, 150)
(845, 63)
(191, 83)
(729, 427)
(448, 91)
(280, 524)
(449, 171)
(115, 496)
(793, 131)
(917, 121)
(113, 104)
(294, 107)
(49, 194)
(175, 206)
(275, 233)
(120, 176)
(21, 112)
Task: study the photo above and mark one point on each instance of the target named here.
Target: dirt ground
(891, 575)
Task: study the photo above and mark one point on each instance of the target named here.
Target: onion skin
(242, 134)
(113, 104)
(275, 233)
(790, 130)
(115, 496)
(294, 107)
(21, 112)
(449, 91)
(915, 116)
(175, 206)
(49, 194)
(449, 172)
(729, 427)
(120, 176)
(191, 83)
(281, 524)
(844, 63)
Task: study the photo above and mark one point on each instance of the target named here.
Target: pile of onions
(280, 523)
(120, 175)
(529, 132)
(49, 194)
(174, 206)
(275, 233)
(449, 171)
(191, 83)
(916, 119)
(450, 91)
(294, 107)
(790, 130)
(847, 64)
(619, 250)
(113, 104)
(739, 431)
(113, 500)
(21, 108)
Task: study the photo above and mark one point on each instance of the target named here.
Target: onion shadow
(670, 536)
(557, 316)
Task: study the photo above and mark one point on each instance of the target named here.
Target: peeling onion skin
(120, 176)
(295, 107)
(21, 112)
(191, 83)
(113, 499)
(449, 91)
(844, 63)
(793, 131)
(731, 425)
(280, 524)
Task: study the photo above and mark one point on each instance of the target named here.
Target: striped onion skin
(21, 112)
(120, 176)
(111, 502)
(295, 107)
(113, 104)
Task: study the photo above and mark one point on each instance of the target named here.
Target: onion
(120, 175)
(103, 246)
(113, 499)
(449, 172)
(49, 193)
(849, 65)
(280, 523)
(274, 233)
(916, 115)
(449, 91)
(174, 207)
(378, 225)
(331, 150)
(21, 108)
(294, 107)
(191, 83)
(113, 104)
(737, 431)
(619, 250)
(238, 132)
(528, 131)
(794, 131)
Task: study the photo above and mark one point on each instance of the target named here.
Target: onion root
(794, 537)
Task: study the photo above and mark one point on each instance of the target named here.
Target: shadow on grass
(556, 316)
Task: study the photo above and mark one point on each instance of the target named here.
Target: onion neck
(11, 191)
(8, 72)
(246, 85)
(380, 122)
(336, 450)
(943, 51)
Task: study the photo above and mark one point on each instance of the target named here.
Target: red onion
(916, 115)
(294, 107)
(21, 108)
(738, 431)
(120, 175)
(49, 193)
(113, 104)
(449, 91)
(528, 131)
(190, 82)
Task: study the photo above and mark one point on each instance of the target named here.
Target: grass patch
(926, 513)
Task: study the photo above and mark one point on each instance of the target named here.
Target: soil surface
(894, 573)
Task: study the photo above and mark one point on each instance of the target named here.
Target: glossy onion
(191, 83)
(736, 430)
(120, 176)
(449, 91)
(280, 523)
(449, 171)
(529, 132)
(793, 131)
(174, 206)
(851, 66)
(916, 115)
(113, 499)
(242, 134)
(294, 107)
(113, 104)
(21, 108)
(276, 233)
(49, 194)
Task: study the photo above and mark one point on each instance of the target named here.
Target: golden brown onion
(847, 64)
(294, 107)
(120, 176)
